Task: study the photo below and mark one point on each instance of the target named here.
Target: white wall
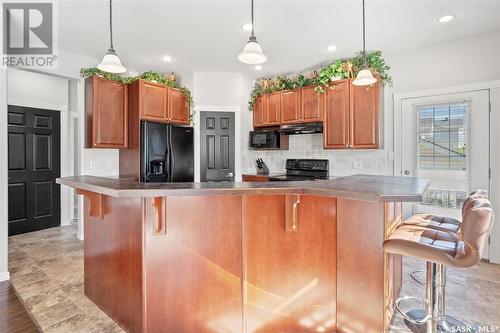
(218, 92)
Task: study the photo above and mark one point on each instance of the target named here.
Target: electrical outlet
(357, 165)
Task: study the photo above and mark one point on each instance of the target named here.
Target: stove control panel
(307, 164)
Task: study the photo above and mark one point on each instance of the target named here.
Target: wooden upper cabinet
(290, 106)
(259, 111)
(364, 115)
(106, 113)
(310, 105)
(178, 109)
(153, 99)
(336, 108)
(273, 109)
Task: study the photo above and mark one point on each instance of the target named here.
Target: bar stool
(440, 249)
(442, 223)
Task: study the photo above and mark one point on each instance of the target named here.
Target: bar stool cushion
(443, 247)
(434, 222)
(445, 223)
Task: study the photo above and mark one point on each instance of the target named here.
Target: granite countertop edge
(358, 187)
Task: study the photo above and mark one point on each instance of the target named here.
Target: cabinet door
(178, 110)
(290, 106)
(336, 111)
(153, 97)
(364, 116)
(273, 109)
(290, 276)
(310, 105)
(107, 118)
(259, 111)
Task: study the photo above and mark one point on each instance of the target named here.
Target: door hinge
(489, 172)
(490, 105)
(489, 240)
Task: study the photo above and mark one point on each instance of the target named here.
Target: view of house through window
(442, 150)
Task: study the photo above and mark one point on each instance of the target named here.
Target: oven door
(264, 139)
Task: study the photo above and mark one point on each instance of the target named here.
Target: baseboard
(4, 276)
(79, 235)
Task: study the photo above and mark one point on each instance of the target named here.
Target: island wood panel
(360, 266)
(393, 262)
(289, 277)
(193, 272)
(113, 260)
(255, 178)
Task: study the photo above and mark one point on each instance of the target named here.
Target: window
(443, 137)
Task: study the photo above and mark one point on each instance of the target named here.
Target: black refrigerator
(167, 153)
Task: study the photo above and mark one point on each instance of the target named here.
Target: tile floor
(47, 272)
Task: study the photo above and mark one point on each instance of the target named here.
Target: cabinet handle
(291, 212)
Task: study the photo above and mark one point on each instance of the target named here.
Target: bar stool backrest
(474, 195)
(475, 229)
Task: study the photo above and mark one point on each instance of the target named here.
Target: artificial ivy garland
(338, 70)
(148, 76)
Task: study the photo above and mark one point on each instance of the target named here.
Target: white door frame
(494, 246)
(237, 137)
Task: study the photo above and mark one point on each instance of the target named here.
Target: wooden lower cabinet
(289, 276)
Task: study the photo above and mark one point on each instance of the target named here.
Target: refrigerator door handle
(171, 155)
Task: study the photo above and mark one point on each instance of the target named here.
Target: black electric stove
(303, 169)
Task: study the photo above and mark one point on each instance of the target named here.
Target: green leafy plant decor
(337, 70)
(150, 76)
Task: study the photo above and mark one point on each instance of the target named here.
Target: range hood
(308, 128)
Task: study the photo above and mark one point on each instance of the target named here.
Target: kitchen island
(244, 257)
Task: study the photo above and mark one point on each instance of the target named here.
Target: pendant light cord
(111, 23)
(364, 34)
(252, 19)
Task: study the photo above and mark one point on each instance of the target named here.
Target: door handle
(229, 175)
(407, 172)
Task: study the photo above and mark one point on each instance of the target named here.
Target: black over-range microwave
(265, 139)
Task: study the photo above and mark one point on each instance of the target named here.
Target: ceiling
(207, 35)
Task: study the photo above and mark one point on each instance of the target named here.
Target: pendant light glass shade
(111, 63)
(364, 78)
(252, 53)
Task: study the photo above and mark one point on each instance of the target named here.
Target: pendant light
(111, 63)
(252, 53)
(365, 76)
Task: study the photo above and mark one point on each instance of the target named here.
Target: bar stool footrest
(406, 316)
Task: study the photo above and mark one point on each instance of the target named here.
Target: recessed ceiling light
(446, 18)
(258, 67)
(167, 58)
(331, 48)
(247, 27)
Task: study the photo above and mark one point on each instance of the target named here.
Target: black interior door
(217, 146)
(33, 164)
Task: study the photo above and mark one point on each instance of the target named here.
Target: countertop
(359, 187)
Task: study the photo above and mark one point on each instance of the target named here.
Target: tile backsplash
(342, 162)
